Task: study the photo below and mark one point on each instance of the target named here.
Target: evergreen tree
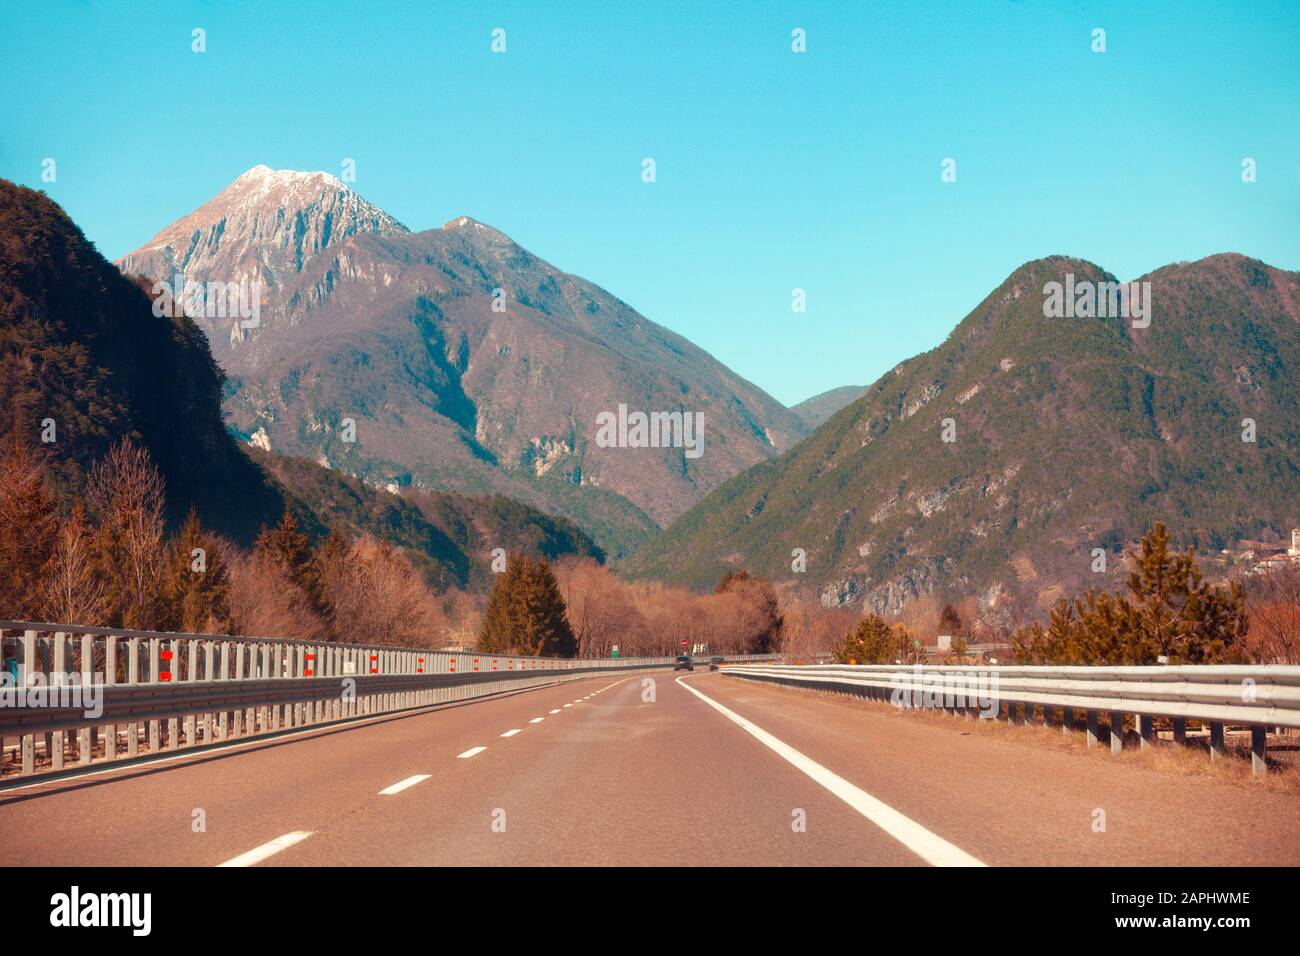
(289, 549)
(497, 632)
(526, 613)
(874, 641)
(1170, 612)
(29, 530)
(197, 581)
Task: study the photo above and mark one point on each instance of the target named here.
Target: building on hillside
(1294, 550)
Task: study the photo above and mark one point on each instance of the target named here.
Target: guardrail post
(1116, 731)
(1067, 719)
(1094, 734)
(27, 742)
(191, 675)
(277, 671)
(237, 715)
(1258, 749)
(56, 743)
(223, 674)
(86, 742)
(293, 712)
(1146, 730)
(1180, 730)
(173, 735)
(110, 678)
(1216, 740)
(260, 717)
(154, 725)
(132, 677)
(207, 675)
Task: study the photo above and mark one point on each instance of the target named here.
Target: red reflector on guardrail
(165, 675)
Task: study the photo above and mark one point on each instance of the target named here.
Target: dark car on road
(715, 663)
(684, 662)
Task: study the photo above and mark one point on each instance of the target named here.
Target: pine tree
(546, 624)
(197, 581)
(289, 549)
(29, 530)
(1170, 612)
(874, 641)
(526, 613)
(497, 632)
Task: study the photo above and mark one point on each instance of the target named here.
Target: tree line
(108, 561)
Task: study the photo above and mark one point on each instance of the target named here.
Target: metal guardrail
(1256, 696)
(76, 696)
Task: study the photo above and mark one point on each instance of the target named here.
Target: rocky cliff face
(462, 360)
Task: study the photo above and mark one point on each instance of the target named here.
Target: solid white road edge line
(403, 784)
(930, 847)
(258, 854)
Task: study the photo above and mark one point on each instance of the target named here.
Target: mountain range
(1067, 435)
(464, 362)
(467, 377)
(85, 361)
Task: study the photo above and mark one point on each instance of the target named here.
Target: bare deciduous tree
(75, 591)
(126, 493)
(1273, 601)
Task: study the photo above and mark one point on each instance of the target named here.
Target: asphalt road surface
(713, 771)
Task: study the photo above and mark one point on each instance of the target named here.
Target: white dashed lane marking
(403, 784)
(472, 751)
(258, 854)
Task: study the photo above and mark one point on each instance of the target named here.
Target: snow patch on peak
(265, 179)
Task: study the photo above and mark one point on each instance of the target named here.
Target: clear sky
(775, 170)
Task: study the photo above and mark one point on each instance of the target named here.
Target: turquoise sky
(775, 170)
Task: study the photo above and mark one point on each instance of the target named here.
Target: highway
(713, 771)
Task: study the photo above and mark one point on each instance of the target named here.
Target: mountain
(81, 346)
(465, 362)
(450, 537)
(1070, 434)
(82, 350)
(263, 228)
(813, 411)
